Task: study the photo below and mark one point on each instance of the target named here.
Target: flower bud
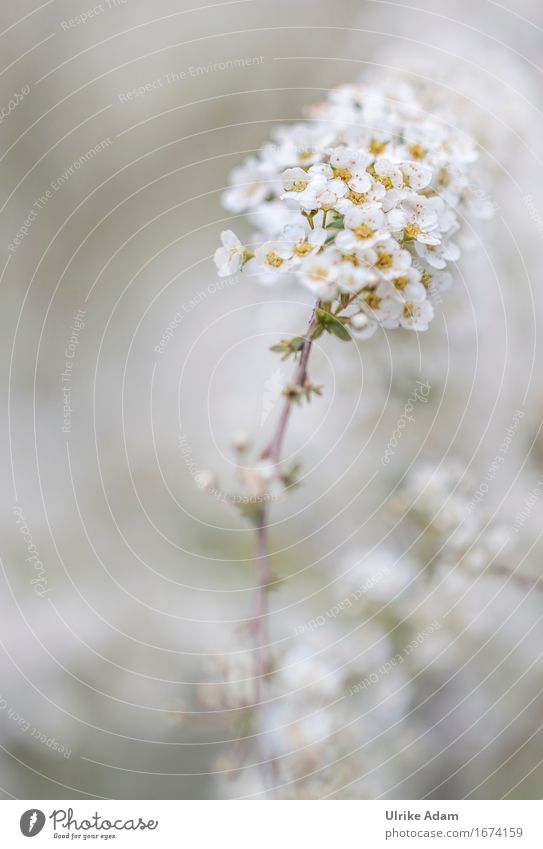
(241, 442)
(206, 479)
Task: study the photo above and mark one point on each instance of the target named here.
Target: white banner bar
(274, 825)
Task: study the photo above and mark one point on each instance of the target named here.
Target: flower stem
(273, 450)
(261, 607)
(264, 575)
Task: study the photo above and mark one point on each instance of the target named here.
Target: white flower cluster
(442, 505)
(362, 203)
(324, 723)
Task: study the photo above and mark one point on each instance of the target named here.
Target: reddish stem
(273, 450)
(264, 575)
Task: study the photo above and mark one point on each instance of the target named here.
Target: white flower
(295, 181)
(330, 195)
(441, 281)
(352, 278)
(388, 173)
(438, 255)
(416, 315)
(418, 218)
(271, 217)
(388, 258)
(302, 187)
(319, 273)
(364, 227)
(274, 255)
(229, 258)
(374, 196)
(408, 284)
(297, 144)
(377, 574)
(383, 308)
(303, 242)
(416, 175)
(350, 166)
(250, 187)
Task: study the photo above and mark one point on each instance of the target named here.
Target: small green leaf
(310, 389)
(319, 330)
(288, 347)
(323, 317)
(335, 223)
(291, 478)
(340, 331)
(333, 325)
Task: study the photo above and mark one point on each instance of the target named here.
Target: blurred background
(128, 366)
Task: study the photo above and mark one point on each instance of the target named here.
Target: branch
(273, 450)
(264, 574)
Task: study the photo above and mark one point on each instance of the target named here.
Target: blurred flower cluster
(345, 688)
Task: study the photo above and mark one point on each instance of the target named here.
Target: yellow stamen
(356, 197)
(417, 151)
(376, 147)
(384, 261)
(342, 173)
(412, 231)
(364, 231)
(373, 301)
(319, 273)
(274, 260)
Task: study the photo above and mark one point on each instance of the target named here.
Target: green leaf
(310, 389)
(335, 223)
(340, 331)
(319, 330)
(323, 317)
(333, 325)
(288, 347)
(291, 478)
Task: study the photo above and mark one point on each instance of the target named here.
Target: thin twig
(264, 575)
(261, 607)
(273, 450)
